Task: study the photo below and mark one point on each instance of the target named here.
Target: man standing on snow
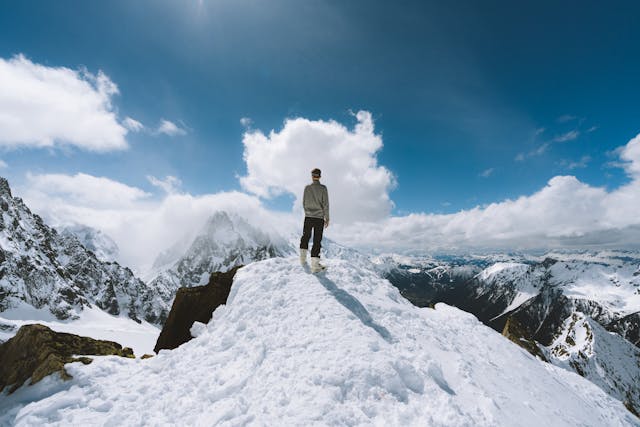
(316, 210)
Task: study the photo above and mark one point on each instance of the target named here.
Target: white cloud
(169, 128)
(533, 153)
(170, 184)
(566, 212)
(630, 156)
(133, 125)
(592, 129)
(3, 164)
(86, 189)
(43, 106)
(246, 122)
(486, 173)
(582, 163)
(280, 163)
(568, 136)
(141, 226)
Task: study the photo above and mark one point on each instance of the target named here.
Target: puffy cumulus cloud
(141, 225)
(630, 155)
(167, 127)
(44, 106)
(566, 212)
(281, 162)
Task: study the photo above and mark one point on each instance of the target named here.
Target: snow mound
(339, 348)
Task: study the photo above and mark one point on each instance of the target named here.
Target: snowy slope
(91, 322)
(342, 348)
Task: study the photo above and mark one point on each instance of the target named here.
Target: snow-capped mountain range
(53, 271)
(341, 348)
(580, 311)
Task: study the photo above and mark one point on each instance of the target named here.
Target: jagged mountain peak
(226, 240)
(103, 246)
(56, 272)
(5, 189)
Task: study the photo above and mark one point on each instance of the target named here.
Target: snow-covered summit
(226, 240)
(340, 348)
(103, 246)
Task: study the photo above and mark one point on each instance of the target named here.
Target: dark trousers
(317, 225)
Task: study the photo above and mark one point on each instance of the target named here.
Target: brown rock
(194, 304)
(36, 351)
(516, 333)
(146, 356)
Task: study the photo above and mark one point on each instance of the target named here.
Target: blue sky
(475, 103)
(454, 90)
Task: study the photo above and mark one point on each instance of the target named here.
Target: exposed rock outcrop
(194, 304)
(36, 351)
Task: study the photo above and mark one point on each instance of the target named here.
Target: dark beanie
(316, 172)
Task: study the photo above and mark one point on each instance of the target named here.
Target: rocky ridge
(54, 271)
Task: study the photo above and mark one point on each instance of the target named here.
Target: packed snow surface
(91, 322)
(338, 348)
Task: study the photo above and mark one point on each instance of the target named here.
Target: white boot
(303, 256)
(316, 267)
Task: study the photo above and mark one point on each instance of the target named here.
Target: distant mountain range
(580, 311)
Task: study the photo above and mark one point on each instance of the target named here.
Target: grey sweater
(316, 201)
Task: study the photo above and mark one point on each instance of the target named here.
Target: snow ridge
(342, 348)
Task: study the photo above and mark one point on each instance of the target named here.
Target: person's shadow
(353, 305)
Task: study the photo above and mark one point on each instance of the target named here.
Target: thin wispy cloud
(580, 164)
(133, 125)
(486, 173)
(566, 118)
(246, 122)
(170, 184)
(540, 150)
(567, 136)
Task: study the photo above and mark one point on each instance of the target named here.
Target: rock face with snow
(227, 240)
(36, 351)
(52, 270)
(102, 246)
(195, 304)
(340, 348)
(544, 303)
